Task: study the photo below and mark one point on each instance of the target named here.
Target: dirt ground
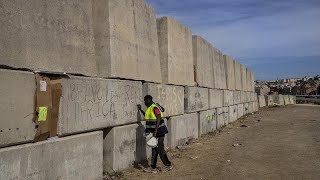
(279, 143)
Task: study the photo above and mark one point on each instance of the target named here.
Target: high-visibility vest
(151, 121)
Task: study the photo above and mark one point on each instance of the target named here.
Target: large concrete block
(237, 97)
(262, 101)
(176, 52)
(240, 110)
(126, 40)
(207, 121)
(44, 35)
(253, 84)
(270, 100)
(255, 106)
(222, 117)
(17, 91)
(74, 157)
(196, 99)
(170, 97)
(228, 98)
(202, 60)
(248, 96)
(249, 83)
(230, 73)
(251, 108)
(92, 103)
(124, 145)
(219, 69)
(246, 108)
(278, 99)
(292, 99)
(215, 98)
(244, 77)
(286, 99)
(238, 77)
(244, 97)
(233, 113)
(182, 129)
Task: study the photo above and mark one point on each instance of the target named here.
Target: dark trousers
(159, 150)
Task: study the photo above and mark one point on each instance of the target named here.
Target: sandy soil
(279, 143)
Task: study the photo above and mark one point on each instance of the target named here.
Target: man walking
(155, 125)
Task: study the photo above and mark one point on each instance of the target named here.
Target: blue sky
(274, 38)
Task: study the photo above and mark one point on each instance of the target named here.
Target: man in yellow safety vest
(156, 125)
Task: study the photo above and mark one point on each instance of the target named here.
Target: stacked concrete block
(91, 103)
(253, 85)
(233, 113)
(292, 99)
(278, 99)
(262, 101)
(240, 111)
(168, 96)
(250, 107)
(270, 100)
(243, 97)
(215, 98)
(207, 121)
(248, 96)
(244, 77)
(222, 117)
(74, 157)
(219, 70)
(36, 37)
(228, 98)
(246, 108)
(286, 99)
(176, 52)
(238, 77)
(230, 73)
(236, 97)
(126, 40)
(249, 84)
(17, 93)
(182, 129)
(124, 145)
(202, 60)
(255, 106)
(196, 99)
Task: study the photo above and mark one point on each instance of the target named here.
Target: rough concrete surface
(126, 40)
(244, 77)
(237, 97)
(122, 146)
(202, 60)
(251, 108)
(262, 101)
(270, 100)
(176, 52)
(207, 121)
(230, 73)
(228, 98)
(17, 91)
(244, 97)
(182, 129)
(222, 117)
(278, 99)
(240, 110)
(219, 69)
(246, 108)
(196, 99)
(238, 77)
(91, 103)
(283, 145)
(215, 98)
(233, 113)
(249, 83)
(168, 96)
(74, 157)
(286, 99)
(36, 37)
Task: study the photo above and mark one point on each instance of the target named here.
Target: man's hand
(139, 107)
(155, 134)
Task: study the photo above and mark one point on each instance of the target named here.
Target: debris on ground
(193, 158)
(243, 125)
(183, 147)
(236, 145)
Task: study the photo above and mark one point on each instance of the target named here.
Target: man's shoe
(150, 170)
(167, 168)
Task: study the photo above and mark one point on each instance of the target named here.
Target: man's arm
(157, 125)
(140, 109)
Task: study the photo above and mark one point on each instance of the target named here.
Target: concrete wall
(215, 98)
(238, 76)
(270, 100)
(91, 103)
(122, 146)
(262, 101)
(236, 97)
(176, 52)
(286, 99)
(126, 40)
(219, 70)
(222, 117)
(244, 77)
(230, 73)
(196, 99)
(36, 37)
(233, 113)
(278, 99)
(75, 157)
(182, 129)
(202, 60)
(168, 96)
(227, 98)
(240, 111)
(17, 104)
(246, 108)
(207, 121)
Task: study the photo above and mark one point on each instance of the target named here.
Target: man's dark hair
(148, 97)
